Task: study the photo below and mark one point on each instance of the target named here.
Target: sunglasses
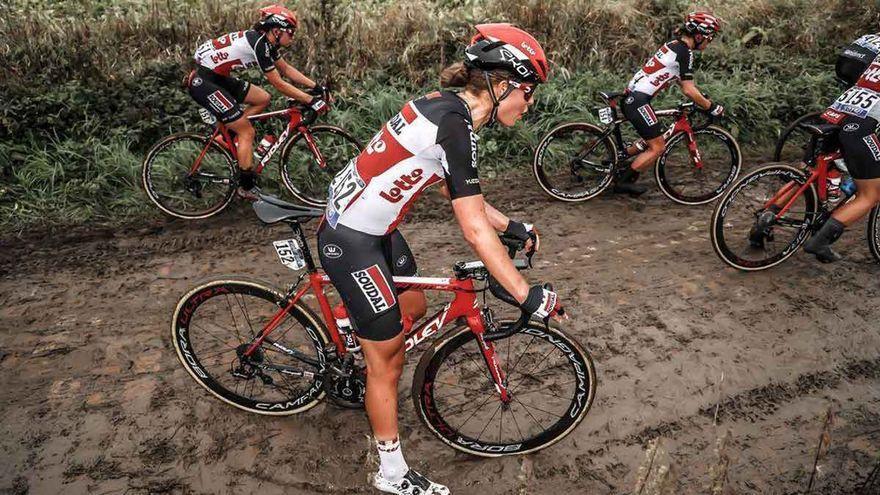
(527, 89)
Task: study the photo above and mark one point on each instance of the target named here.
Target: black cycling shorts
(360, 267)
(221, 95)
(638, 111)
(861, 147)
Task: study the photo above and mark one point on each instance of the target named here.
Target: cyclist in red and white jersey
(855, 57)
(857, 112)
(673, 63)
(212, 86)
(431, 140)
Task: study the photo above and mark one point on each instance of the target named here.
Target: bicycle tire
(316, 195)
(162, 196)
(788, 134)
(671, 187)
(193, 357)
(579, 368)
(540, 165)
(722, 240)
(874, 232)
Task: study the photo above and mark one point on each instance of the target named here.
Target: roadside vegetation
(87, 86)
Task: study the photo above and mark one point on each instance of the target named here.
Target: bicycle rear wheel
(300, 170)
(574, 162)
(683, 182)
(874, 232)
(171, 184)
(550, 378)
(737, 213)
(216, 321)
(793, 141)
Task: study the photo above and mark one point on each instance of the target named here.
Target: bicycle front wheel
(189, 176)
(575, 162)
(550, 377)
(302, 172)
(874, 232)
(681, 181)
(215, 323)
(736, 216)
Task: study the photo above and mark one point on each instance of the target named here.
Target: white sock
(391, 461)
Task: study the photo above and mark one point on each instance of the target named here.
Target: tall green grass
(87, 86)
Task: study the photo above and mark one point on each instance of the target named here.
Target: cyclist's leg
(638, 111)
(257, 99)
(861, 147)
(413, 304)
(362, 277)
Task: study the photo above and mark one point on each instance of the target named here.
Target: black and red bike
(487, 386)
(194, 175)
(746, 237)
(577, 161)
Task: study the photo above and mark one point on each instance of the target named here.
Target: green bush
(89, 85)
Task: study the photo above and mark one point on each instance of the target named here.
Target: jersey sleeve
(265, 54)
(459, 156)
(685, 58)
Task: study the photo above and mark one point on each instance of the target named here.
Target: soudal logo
(375, 288)
(647, 113)
(873, 145)
(403, 183)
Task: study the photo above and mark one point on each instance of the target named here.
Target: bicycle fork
(487, 349)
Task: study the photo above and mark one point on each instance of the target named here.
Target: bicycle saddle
(270, 209)
(820, 130)
(611, 95)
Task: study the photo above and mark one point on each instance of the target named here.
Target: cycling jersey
(861, 100)
(429, 140)
(673, 62)
(242, 49)
(855, 58)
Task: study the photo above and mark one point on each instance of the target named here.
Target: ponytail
(461, 75)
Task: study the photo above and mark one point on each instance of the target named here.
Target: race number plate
(290, 253)
(606, 115)
(857, 101)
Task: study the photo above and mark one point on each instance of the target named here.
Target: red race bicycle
(576, 161)
(747, 235)
(190, 175)
(486, 387)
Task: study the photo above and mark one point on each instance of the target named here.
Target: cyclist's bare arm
(689, 89)
(287, 89)
(293, 74)
(497, 220)
(470, 211)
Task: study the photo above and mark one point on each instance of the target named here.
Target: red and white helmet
(277, 16)
(702, 23)
(504, 46)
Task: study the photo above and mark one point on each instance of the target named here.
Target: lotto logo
(873, 145)
(219, 102)
(375, 288)
(404, 183)
(647, 113)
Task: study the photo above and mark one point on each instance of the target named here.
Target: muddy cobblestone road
(687, 350)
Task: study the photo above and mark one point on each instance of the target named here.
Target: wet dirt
(687, 351)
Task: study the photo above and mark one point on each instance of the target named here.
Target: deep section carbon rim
(574, 163)
(683, 182)
(168, 181)
(737, 214)
(214, 323)
(551, 381)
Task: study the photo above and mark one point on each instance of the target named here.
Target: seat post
(304, 243)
